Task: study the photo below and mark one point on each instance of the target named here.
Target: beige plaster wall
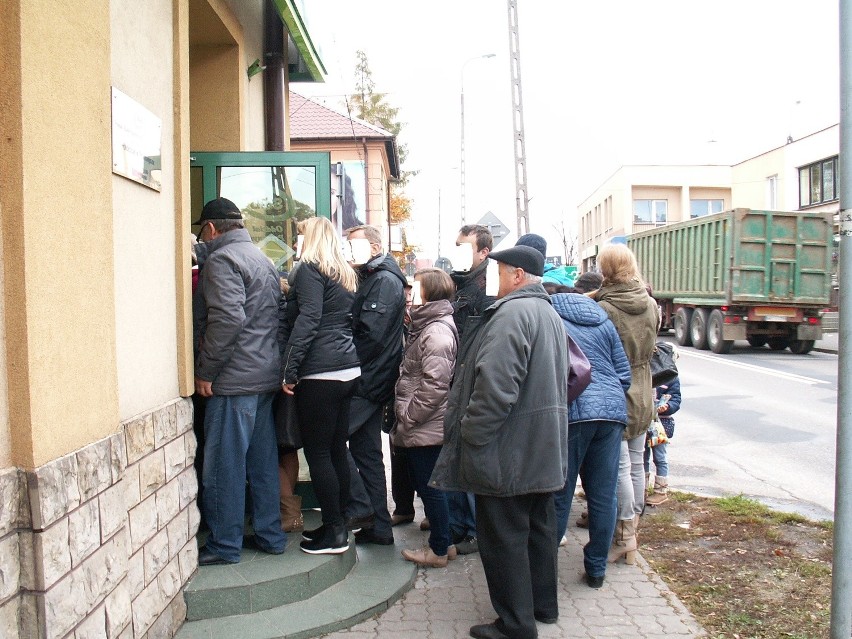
(250, 17)
(5, 435)
(144, 219)
(56, 199)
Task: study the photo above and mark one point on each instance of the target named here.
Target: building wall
(144, 228)
(608, 211)
(56, 199)
(377, 167)
(749, 178)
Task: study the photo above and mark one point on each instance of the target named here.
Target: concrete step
(295, 594)
(379, 577)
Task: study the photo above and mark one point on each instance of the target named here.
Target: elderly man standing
(237, 370)
(377, 327)
(506, 442)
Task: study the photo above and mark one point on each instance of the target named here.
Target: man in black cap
(506, 442)
(237, 368)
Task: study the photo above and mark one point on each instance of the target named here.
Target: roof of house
(310, 120)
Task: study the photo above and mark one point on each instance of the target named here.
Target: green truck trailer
(760, 276)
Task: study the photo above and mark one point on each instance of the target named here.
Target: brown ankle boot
(624, 542)
(291, 513)
(661, 492)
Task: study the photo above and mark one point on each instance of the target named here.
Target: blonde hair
(618, 265)
(321, 247)
(435, 284)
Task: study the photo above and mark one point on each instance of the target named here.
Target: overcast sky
(604, 84)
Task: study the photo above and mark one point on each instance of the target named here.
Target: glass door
(274, 191)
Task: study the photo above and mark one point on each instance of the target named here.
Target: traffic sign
(498, 230)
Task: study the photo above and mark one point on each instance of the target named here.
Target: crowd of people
(471, 389)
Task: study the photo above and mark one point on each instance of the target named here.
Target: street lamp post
(478, 57)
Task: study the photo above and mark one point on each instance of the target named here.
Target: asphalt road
(757, 422)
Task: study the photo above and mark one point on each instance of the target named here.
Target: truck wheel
(698, 328)
(778, 343)
(801, 346)
(757, 341)
(681, 326)
(714, 334)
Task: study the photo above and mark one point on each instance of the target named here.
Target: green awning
(308, 66)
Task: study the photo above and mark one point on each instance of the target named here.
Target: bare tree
(569, 241)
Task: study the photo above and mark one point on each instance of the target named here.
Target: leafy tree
(371, 106)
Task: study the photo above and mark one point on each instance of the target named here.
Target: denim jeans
(594, 449)
(239, 445)
(631, 478)
(462, 515)
(661, 462)
(421, 463)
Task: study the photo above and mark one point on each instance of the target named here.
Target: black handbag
(286, 419)
(663, 367)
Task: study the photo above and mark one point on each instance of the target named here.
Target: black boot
(334, 541)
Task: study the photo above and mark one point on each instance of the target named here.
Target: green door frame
(320, 161)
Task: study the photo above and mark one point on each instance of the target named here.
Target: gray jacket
(240, 291)
(506, 427)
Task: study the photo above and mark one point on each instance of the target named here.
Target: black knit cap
(219, 209)
(524, 257)
(536, 241)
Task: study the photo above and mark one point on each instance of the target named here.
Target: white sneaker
(563, 541)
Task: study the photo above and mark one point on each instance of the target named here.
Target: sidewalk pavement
(445, 602)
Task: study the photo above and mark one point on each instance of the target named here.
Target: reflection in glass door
(274, 191)
(273, 200)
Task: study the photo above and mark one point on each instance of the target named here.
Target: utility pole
(841, 575)
(521, 199)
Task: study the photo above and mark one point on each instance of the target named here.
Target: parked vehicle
(761, 276)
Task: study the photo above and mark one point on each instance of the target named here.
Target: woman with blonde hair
(320, 367)
(636, 317)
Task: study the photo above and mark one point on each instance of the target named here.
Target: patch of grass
(742, 569)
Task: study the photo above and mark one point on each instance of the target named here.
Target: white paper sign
(461, 257)
(492, 278)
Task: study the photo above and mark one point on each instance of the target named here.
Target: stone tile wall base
(102, 541)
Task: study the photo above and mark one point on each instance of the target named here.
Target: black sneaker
(313, 535)
(593, 582)
(334, 541)
(467, 546)
(367, 536)
(358, 523)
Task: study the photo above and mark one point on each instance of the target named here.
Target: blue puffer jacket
(588, 325)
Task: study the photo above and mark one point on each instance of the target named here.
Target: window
(700, 208)
(650, 211)
(772, 192)
(818, 182)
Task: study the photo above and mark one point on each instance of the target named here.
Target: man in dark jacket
(470, 301)
(377, 326)
(237, 370)
(506, 441)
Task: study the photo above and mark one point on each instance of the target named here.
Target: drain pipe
(275, 61)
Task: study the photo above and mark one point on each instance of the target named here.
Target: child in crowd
(668, 403)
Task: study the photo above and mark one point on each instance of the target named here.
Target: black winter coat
(470, 300)
(377, 326)
(317, 336)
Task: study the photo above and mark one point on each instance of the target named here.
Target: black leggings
(323, 407)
